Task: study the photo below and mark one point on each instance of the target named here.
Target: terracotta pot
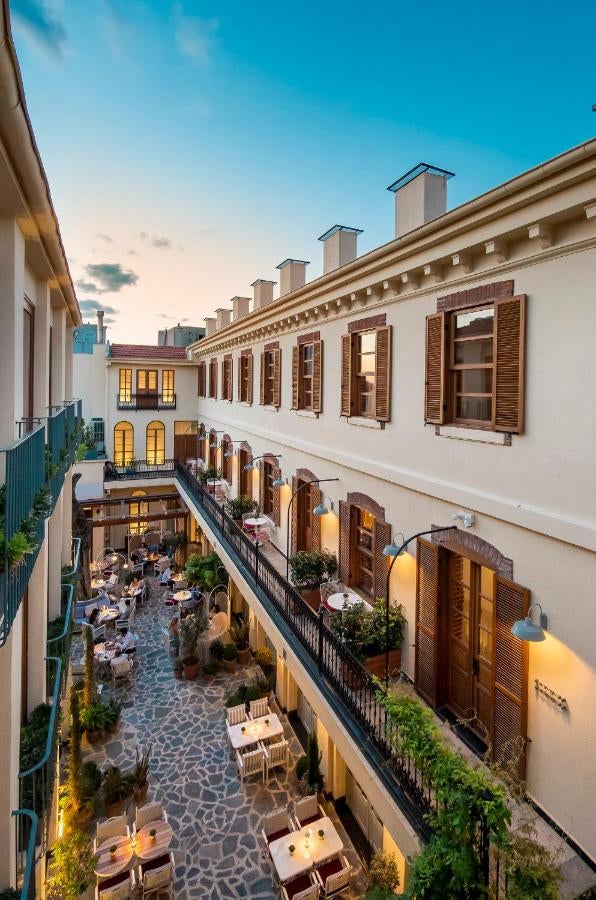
(113, 728)
(244, 656)
(376, 664)
(113, 809)
(312, 597)
(191, 671)
(93, 736)
(178, 674)
(229, 665)
(140, 793)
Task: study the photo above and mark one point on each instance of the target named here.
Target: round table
(97, 583)
(147, 847)
(336, 601)
(256, 522)
(180, 596)
(108, 865)
(107, 615)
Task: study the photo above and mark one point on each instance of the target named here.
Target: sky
(193, 145)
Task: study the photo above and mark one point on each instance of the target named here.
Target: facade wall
(89, 373)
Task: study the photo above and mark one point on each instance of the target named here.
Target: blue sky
(191, 146)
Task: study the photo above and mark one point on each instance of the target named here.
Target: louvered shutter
(511, 677)
(317, 377)
(509, 357)
(277, 378)
(316, 497)
(428, 560)
(346, 375)
(294, 517)
(230, 371)
(381, 562)
(276, 513)
(296, 377)
(434, 395)
(239, 377)
(383, 385)
(345, 549)
(262, 386)
(261, 485)
(249, 378)
(223, 380)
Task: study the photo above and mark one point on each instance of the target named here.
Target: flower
(291, 848)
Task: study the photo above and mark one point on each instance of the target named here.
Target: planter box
(376, 664)
(191, 671)
(312, 597)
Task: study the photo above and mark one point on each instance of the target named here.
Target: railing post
(320, 653)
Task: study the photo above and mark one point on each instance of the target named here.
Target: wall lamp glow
(527, 630)
(395, 548)
(251, 465)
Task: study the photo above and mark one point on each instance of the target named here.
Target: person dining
(127, 642)
(125, 608)
(135, 585)
(93, 616)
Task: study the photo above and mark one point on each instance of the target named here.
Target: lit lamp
(320, 510)
(278, 482)
(527, 630)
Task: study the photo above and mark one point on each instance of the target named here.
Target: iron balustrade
(139, 468)
(60, 645)
(26, 825)
(146, 401)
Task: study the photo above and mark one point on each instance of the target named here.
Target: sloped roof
(146, 351)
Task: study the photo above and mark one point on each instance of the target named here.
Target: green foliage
(530, 868)
(116, 787)
(216, 650)
(310, 568)
(205, 571)
(365, 633)
(301, 767)
(253, 692)
(73, 867)
(10, 894)
(209, 474)
(313, 774)
(19, 546)
(240, 506)
(384, 876)
(375, 892)
(191, 628)
(95, 717)
(55, 627)
(42, 502)
(90, 780)
(74, 753)
(33, 745)
(264, 658)
(89, 690)
(113, 708)
(239, 633)
(141, 769)
(229, 652)
(211, 668)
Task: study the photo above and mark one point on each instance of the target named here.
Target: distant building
(179, 336)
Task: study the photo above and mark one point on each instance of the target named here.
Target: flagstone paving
(216, 822)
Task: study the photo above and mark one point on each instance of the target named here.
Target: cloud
(162, 243)
(163, 316)
(109, 321)
(107, 278)
(89, 306)
(105, 237)
(194, 36)
(38, 21)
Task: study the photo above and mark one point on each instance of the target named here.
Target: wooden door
(146, 388)
(304, 518)
(185, 447)
(363, 542)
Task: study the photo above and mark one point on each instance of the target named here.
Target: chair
(276, 755)
(217, 631)
(114, 827)
(276, 824)
(250, 763)
(258, 708)
(99, 633)
(307, 810)
(327, 589)
(301, 888)
(236, 714)
(121, 667)
(120, 887)
(150, 812)
(157, 875)
(334, 876)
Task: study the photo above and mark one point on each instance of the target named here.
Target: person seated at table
(166, 577)
(94, 616)
(125, 608)
(103, 598)
(127, 642)
(135, 585)
(174, 628)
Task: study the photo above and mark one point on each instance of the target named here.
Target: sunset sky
(192, 146)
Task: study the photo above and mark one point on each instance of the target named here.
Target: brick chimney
(263, 292)
(239, 307)
(292, 275)
(101, 328)
(420, 197)
(224, 317)
(339, 246)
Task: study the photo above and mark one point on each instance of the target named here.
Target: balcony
(139, 469)
(146, 401)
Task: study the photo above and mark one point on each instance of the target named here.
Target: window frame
(125, 385)
(304, 379)
(453, 368)
(268, 491)
(123, 456)
(167, 390)
(147, 373)
(244, 367)
(269, 377)
(213, 379)
(157, 451)
(356, 384)
(227, 379)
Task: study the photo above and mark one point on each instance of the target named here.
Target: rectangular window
(226, 371)
(366, 370)
(268, 377)
(268, 489)
(147, 381)
(125, 386)
(471, 366)
(307, 352)
(364, 526)
(167, 385)
(213, 379)
(366, 373)
(202, 380)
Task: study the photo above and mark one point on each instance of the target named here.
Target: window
(471, 379)
(226, 461)
(123, 444)
(268, 475)
(167, 385)
(364, 525)
(147, 381)
(226, 378)
(213, 379)
(307, 375)
(125, 386)
(271, 377)
(366, 370)
(245, 377)
(363, 533)
(212, 448)
(156, 443)
(202, 380)
(138, 508)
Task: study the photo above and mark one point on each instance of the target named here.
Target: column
(12, 264)
(338, 785)
(326, 749)
(58, 356)
(41, 350)
(66, 553)
(37, 629)
(55, 560)
(68, 385)
(10, 712)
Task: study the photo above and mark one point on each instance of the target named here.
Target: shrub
(211, 668)
(264, 657)
(252, 693)
(309, 569)
(301, 767)
(229, 652)
(384, 872)
(73, 867)
(365, 633)
(530, 868)
(240, 506)
(239, 633)
(216, 650)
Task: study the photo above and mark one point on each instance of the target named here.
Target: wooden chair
(236, 714)
(327, 589)
(276, 755)
(120, 887)
(301, 888)
(334, 876)
(114, 827)
(251, 763)
(258, 708)
(121, 667)
(150, 812)
(156, 877)
(276, 824)
(307, 810)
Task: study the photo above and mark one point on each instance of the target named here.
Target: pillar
(68, 384)
(37, 629)
(66, 553)
(10, 712)
(326, 750)
(12, 265)
(55, 559)
(291, 694)
(41, 350)
(338, 785)
(58, 355)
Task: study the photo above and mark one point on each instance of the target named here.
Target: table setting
(312, 845)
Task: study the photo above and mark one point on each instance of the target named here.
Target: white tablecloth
(336, 601)
(303, 859)
(256, 522)
(254, 730)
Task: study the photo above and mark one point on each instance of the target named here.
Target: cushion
(105, 883)
(309, 819)
(156, 863)
(302, 883)
(329, 868)
(277, 834)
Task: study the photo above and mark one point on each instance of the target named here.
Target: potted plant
(116, 788)
(384, 877)
(211, 473)
(291, 849)
(216, 650)
(113, 708)
(364, 634)
(113, 850)
(89, 785)
(239, 633)
(308, 767)
(141, 773)
(93, 720)
(229, 657)
(237, 697)
(210, 670)
(240, 506)
(190, 630)
(153, 834)
(178, 668)
(309, 569)
(72, 869)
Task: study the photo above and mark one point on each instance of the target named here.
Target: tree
(73, 867)
(89, 692)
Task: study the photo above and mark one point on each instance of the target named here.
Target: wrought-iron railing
(59, 646)
(57, 452)
(26, 825)
(146, 401)
(139, 468)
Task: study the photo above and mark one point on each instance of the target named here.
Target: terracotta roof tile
(146, 351)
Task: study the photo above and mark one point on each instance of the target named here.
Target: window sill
(244, 403)
(363, 422)
(269, 408)
(306, 413)
(478, 435)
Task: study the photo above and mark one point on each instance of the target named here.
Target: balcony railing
(146, 401)
(139, 468)
(25, 832)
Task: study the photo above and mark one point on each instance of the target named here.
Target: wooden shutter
(223, 380)
(345, 548)
(249, 378)
(276, 514)
(261, 485)
(511, 677)
(294, 518)
(316, 497)
(277, 378)
(381, 562)
(509, 357)
(262, 386)
(317, 377)
(296, 377)
(428, 580)
(434, 395)
(383, 385)
(346, 375)
(239, 377)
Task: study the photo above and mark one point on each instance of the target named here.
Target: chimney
(339, 246)
(210, 325)
(101, 329)
(420, 197)
(292, 275)
(223, 317)
(263, 292)
(239, 307)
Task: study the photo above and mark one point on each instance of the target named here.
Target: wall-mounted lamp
(466, 518)
(278, 482)
(320, 510)
(395, 548)
(527, 630)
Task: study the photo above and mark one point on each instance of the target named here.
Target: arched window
(138, 508)
(156, 443)
(123, 444)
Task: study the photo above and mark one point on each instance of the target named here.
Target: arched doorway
(156, 443)
(123, 443)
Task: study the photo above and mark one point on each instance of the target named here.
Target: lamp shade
(249, 467)
(278, 482)
(393, 550)
(228, 454)
(320, 510)
(526, 630)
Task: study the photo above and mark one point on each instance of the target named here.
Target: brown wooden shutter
(381, 562)
(317, 377)
(346, 375)
(223, 380)
(316, 497)
(262, 385)
(345, 549)
(435, 395)
(509, 357)
(249, 379)
(296, 377)
(239, 377)
(276, 514)
(511, 677)
(261, 485)
(277, 378)
(428, 580)
(294, 518)
(383, 385)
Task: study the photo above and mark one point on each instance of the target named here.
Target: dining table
(254, 730)
(337, 602)
(107, 615)
(109, 864)
(97, 583)
(147, 847)
(309, 849)
(256, 522)
(180, 596)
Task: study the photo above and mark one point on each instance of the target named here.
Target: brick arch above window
(245, 446)
(355, 498)
(305, 475)
(475, 548)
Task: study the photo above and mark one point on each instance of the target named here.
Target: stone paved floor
(215, 821)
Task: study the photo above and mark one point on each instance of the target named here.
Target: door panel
(460, 686)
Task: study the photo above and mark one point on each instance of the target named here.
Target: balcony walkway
(216, 822)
